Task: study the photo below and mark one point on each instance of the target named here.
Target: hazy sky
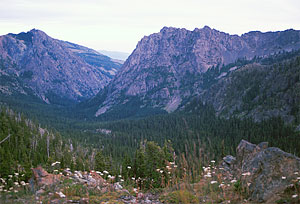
(119, 24)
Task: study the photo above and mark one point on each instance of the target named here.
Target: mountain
(168, 68)
(115, 54)
(268, 87)
(54, 71)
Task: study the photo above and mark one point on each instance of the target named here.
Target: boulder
(42, 177)
(229, 159)
(97, 178)
(265, 172)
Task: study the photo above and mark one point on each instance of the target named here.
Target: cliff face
(54, 70)
(164, 69)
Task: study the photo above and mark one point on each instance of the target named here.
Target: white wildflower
(161, 171)
(122, 180)
(212, 161)
(298, 178)
(10, 176)
(16, 183)
(296, 173)
(133, 178)
(106, 172)
(283, 177)
(61, 195)
(213, 182)
(246, 174)
(128, 167)
(294, 196)
(157, 170)
(175, 166)
(120, 176)
(23, 183)
(233, 181)
(221, 185)
(17, 174)
(16, 191)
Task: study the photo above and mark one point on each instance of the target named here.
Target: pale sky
(119, 24)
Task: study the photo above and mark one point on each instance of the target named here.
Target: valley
(182, 97)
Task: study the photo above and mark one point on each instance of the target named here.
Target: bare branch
(5, 139)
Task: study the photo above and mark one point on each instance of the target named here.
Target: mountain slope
(166, 68)
(259, 90)
(57, 72)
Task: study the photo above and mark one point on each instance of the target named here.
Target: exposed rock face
(264, 171)
(54, 70)
(163, 70)
(42, 177)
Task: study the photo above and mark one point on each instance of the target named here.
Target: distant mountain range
(55, 71)
(253, 75)
(115, 54)
(167, 69)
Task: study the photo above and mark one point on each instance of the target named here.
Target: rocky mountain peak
(56, 71)
(162, 71)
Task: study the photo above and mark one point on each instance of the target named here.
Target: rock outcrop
(104, 189)
(43, 178)
(165, 69)
(264, 172)
(55, 71)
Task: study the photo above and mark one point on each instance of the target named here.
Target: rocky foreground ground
(258, 174)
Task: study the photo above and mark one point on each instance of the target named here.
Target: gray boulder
(265, 172)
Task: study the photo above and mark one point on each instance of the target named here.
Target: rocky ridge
(155, 74)
(53, 70)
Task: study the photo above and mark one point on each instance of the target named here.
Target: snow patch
(222, 75)
(102, 110)
(45, 99)
(233, 68)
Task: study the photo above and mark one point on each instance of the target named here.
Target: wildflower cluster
(211, 173)
(13, 183)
